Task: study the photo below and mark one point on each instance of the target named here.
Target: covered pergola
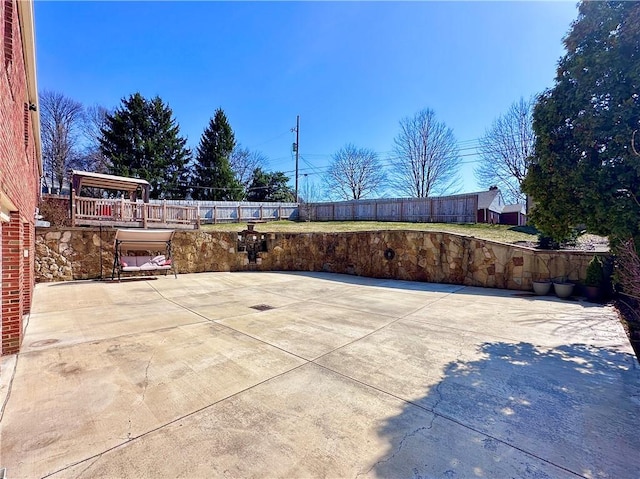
(109, 182)
(88, 211)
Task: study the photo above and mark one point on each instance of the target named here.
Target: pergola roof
(109, 182)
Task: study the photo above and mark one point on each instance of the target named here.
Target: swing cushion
(144, 263)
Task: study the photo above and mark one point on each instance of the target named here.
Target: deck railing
(91, 211)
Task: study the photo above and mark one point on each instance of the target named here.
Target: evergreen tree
(269, 187)
(142, 140)
(584, 170)
(213, 178)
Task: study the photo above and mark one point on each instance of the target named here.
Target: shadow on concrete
(458, 289)
(527, 295)
(572, 407)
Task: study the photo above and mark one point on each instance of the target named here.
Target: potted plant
(561, 284)
(595, 279)
(542, 286)
(562, 287)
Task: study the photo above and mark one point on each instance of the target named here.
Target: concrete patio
(331, 376)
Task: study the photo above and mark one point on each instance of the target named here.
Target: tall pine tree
(142, 140)
(213, 178)
(269, 187)
(584, 170)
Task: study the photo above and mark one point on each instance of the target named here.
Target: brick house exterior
(515, 214)
(490, 204)
(492, 209)
(20, 167)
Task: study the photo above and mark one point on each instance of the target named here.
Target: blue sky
(351, 70)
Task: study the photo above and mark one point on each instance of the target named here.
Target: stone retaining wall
(76, 253)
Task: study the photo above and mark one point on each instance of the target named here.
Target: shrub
(595, 272)
(569, 240)
(627, 269)
(547, 242)
(55, 210)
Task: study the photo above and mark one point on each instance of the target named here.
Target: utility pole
(296, 149)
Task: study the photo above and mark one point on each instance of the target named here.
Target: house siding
(20, 169)
(512, 218)
(488, 216)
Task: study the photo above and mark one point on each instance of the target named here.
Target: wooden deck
(123, 213)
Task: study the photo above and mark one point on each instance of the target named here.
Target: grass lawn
(502, 233)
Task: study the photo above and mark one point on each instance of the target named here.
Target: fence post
(279, 212)
(260, 212)
(144, 215)
(215, 214)
(164, 211)
(239, 214)
(401, 210)
(72, 206)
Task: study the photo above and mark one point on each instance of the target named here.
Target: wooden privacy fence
(191, 213)
(445, 209)
(238, 211)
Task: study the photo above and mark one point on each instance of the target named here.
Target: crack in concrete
(435, 405)
(146, 370)
(145, 385)
(99, 456)
(404, 439)
(438, 392)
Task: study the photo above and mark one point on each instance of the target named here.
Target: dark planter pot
(541, 288)
(563, 290)
(593, 293)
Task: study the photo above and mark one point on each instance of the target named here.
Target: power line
(462, 146)
(269, 140)
(297, 150)
(389, 161)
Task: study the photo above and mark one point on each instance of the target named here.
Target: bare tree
(427, 158)
(60, 119)
(310, 191)
(244, 163)
(505, 148)
(354, 173)
(94, 119)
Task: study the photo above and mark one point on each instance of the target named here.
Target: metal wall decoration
(252, 242)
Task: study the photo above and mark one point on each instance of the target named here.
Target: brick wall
(12, 284)
(28, 235)
(19, 179)
(19, 176)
